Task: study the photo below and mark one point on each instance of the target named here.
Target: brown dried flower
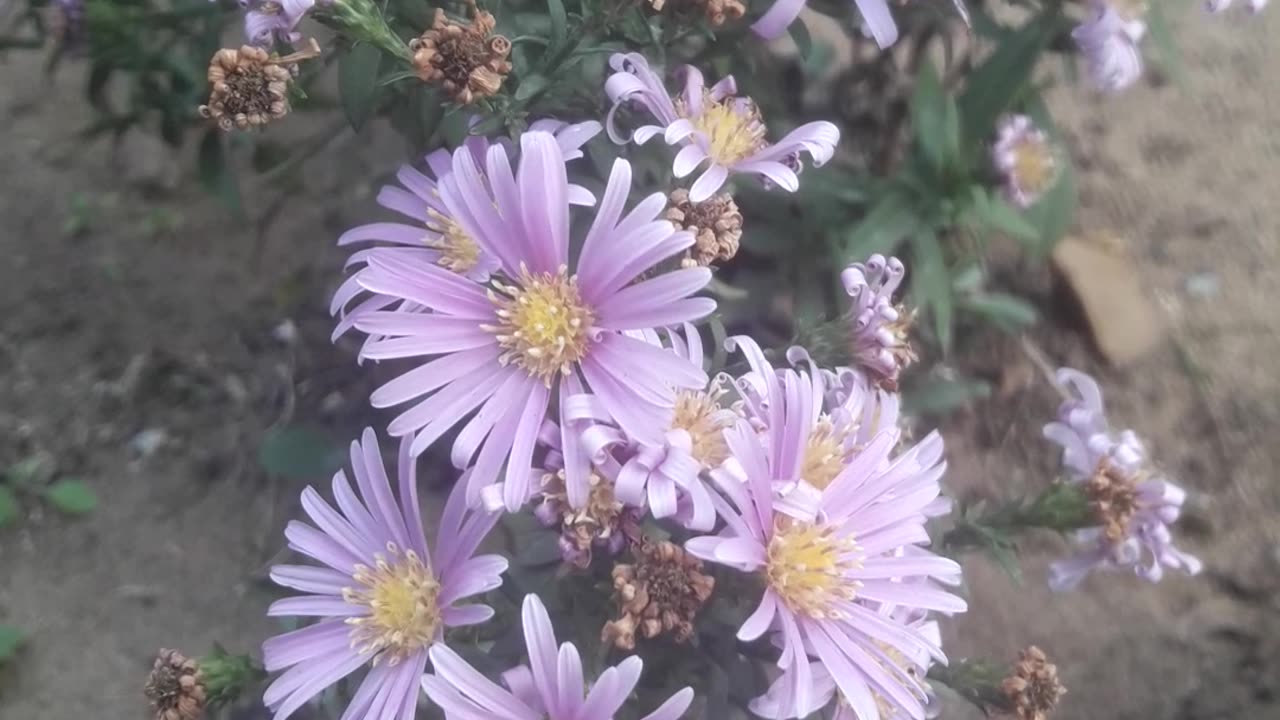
(603, 523)
(465, 59)
(176, 687)
(715, 223)
(661, 592)
(1033, 689)
(1113, 498)
(249, 86)
(716, 12)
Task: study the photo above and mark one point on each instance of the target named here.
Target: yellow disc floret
(402, 596)
(543, 324)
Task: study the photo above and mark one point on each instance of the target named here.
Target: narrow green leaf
(299, 451)
(1053, 213)
(559, 26)
(10, 640)
(8, 506)
(799, 33)
(358, 83)
(71, 496)
(928, 115)
(215, 174)
(1006, 311)
(994, 213)
(996, 84)
(530, 86)
(888, 222)
(931, 285)
(536, 549)
(1166, 49)
(937, 395)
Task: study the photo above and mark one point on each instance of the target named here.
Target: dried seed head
(464, 59)
(715, 223)
(716, 12)
(1032, 688)
(176, 687)
(249, 87)
(604, 522)
(1113, 498)
(661, 592)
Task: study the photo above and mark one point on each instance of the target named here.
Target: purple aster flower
(1025, 158)
(713, 125)
(1109, 42)
(1217, 6)
(551, 687)
(543, 326)
(266, 21)
(1133, 503)
(879, 329)
(417, 197)
(383, 597)
(666, 476)
(877, 20)
(829, 565)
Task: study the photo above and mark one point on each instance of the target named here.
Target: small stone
(148, 441)
(1203, 285)
(286, 332)
(1103, 278)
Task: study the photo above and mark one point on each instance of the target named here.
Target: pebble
(148, 441)
(1203, 285)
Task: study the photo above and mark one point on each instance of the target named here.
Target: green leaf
(8, 506)
(993, 212)
(1166, 49)
(928, 116)
(358, 83)
(931, 285)
(938, 395)
(299, 451)
(215, 175)
(559, 26)
(799, 33)
(1006, 311)
(537, 549)
(10, 640)
(1053, 213)
(996, 84)
(888, 222)
(72, 497)
(530, 86)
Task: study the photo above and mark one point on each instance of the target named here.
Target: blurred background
(165, 363)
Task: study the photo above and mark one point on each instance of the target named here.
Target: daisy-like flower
(828, 566)
(435, 234)
(1134, 505)
(551, 687)
(382, 595)
(880, 342)
(1108, 40)
(663, 469)
(543, 326)
(713, 126)
(1025, 158)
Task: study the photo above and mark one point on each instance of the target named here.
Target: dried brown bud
(464, 59)
(660, 593)
(1032, 688)
(1113, 498)
(249, 87)
(716, 12)
(176, 687)
(715, 223)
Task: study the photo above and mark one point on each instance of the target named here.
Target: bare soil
(161, 318)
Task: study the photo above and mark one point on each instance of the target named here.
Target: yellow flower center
(700, 415)
(402, 596)
(1034, 166)
(543, 324)
(826, 454)
(458, 251)
(733, 133)
(806, 566)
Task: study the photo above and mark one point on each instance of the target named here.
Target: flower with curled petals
(1108, 41)
(880, 342)
(713, 125)
(491, 357)
(382, 595)
(551, 687)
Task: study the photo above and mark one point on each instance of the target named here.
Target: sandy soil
(121, 329)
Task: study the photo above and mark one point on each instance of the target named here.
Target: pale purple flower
(713, 126)
(1025, 159)
(435, 234)
(544, 326)
(877, 20)
(829, 562)
(266, 21)
(1217, 6)
(665, 477)
(1109, 43)
(382, 595)
(879, 329)
(551, 687)
(1144, 544)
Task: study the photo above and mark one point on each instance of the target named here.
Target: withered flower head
(465, 59)
(176, 687)
(661, 592)
(716, 12)
(1113, 498)
(715, 223)
(249, 86)
(1032, 688)
(602, 523)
